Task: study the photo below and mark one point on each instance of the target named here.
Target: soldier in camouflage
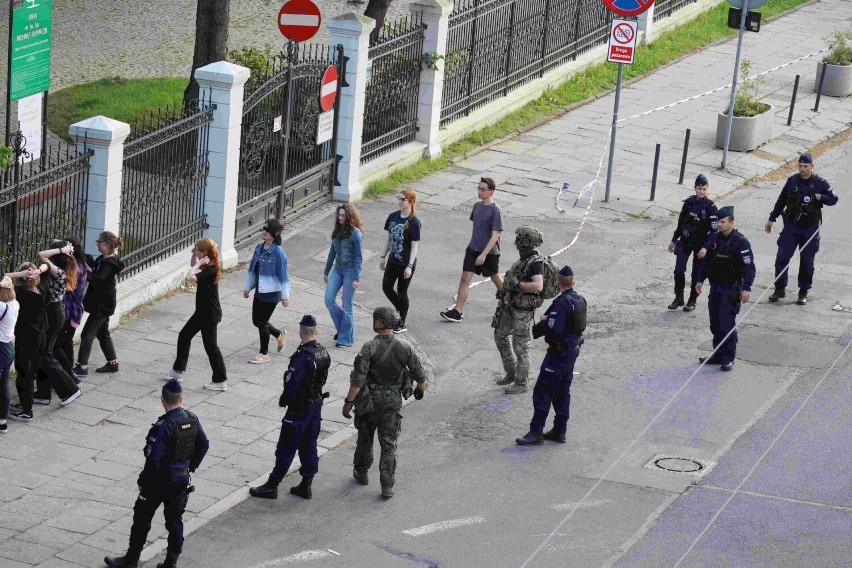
(517, 303)
(381, 377)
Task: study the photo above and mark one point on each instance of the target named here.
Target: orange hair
(207, 247)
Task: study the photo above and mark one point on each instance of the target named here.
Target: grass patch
(693, 36)
(120, 99)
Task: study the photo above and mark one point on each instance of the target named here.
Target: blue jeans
(343, 319)
(7, 356)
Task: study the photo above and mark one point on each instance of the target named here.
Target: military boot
(690, 302)
(507, 379)
(268, 490)
(122, 561)
(169, 562)
(387, 491)
(530, 439)
(303, 490)
(554, 436)
(680, 283)
(803, 297)
(517, 388)
(361, 476)
(777, 294)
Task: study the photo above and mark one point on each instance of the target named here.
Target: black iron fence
(665, 8)
(41, 198)
(496, 46)
(164, 183)
(390, 108)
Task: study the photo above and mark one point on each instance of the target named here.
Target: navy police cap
(308, 321)
(806, 158)
(726, 212)
(701, 180)
(173, 386)
(566, 271)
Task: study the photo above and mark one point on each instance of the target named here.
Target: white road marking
(444, 525)
(293, 558)
(569, 506)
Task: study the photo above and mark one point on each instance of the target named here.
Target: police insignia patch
(551, 322)
(747, 259)
(147, 451)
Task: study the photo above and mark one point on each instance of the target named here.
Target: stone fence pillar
(646, 25)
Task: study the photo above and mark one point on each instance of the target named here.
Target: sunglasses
(402, 198)
(265, 229)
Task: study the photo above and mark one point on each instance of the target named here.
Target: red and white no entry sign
(299, 20)
(622, 41)
(328, 91)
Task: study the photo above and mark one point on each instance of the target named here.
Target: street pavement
(776, 428)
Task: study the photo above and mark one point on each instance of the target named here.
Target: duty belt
(384, 389)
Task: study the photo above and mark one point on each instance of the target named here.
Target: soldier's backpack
(550, 274)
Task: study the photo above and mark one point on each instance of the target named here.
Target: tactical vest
(526, 300)
(181, 445)
(323, 362)
(803, 210)
(723, 267)
(576, 322)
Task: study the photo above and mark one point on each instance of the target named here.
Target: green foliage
(258, 60)
(841, 48)
(455, 60)
(5, 158)
(430, 60)
(746, 101)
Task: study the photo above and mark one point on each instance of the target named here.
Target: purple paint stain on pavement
(520, 454)
(501, 405)
(420, 560)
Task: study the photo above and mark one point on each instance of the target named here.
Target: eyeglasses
(100, 241)
(265, 229)
(402, 198)
(484, 189)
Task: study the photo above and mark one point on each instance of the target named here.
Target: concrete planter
(838, 80)
(746, 133)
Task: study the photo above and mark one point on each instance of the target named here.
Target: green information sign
(32, 27)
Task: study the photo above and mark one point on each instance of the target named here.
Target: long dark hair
(353, 221)
(79, 253)
(67, 263)
(274, 228)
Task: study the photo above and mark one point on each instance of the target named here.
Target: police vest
(725, 267)
(322, 360)
(181, 445)
(805, 209)
(576, 322)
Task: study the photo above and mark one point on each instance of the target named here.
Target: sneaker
(70, 399)
(3, 428)
(80, 370)
(223, 386)
(41, 401)
(75, 378)
(400, 327)
(343, 345)
(282, 339)
(110, 367)
(452, 315)
(20, 416)
(172, 374)
(259, 358)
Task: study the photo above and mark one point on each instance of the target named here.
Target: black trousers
(174, 499)
(27, 357)
(395, 277)
(51, 374)
(260, 314)
(64, 349)
(96, 326)
(209, 336)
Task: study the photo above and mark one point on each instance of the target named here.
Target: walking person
(100, 302)
(300, 427)
(206, 271)
(8, 319)
(267, 275)
(697, 219)
(73, 301)
(174, 448)
(800, 204)
(30, 335)
(483, 251)
(343, 271)
(399, 260)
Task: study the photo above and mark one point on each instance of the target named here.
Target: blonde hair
(24, 282)
(7, 290)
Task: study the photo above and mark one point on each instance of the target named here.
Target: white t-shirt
(7, 324)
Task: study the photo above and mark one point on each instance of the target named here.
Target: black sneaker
(452, 315)
(400, 327)
(110, 367)
(20, 416)
(80, 371)
(75, 378)
(4, 428)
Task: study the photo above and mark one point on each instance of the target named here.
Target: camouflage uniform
(380, 366)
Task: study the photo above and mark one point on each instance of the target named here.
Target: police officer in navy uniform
(800, 204)
(300, 427)
(697, 219)
(562, 326)
(728, 262)
(174, 448)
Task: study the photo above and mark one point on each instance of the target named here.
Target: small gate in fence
(283, 170)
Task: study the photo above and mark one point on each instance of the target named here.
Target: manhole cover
(679, 464)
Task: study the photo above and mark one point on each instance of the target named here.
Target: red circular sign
(623, 33)
(328, 91)
(299, 20)
(628, 7)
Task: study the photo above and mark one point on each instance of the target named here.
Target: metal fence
(163, 184)
(390, 113)
(496, 46)
(665, 8)
(41, 198)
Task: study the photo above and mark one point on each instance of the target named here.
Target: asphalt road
(466, 495)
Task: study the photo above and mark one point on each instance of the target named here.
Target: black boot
(268, 490)
(693, 297)
(303, 490)
(803, 297)
(170, 561)
(554, 436)
(122, 561)
(530, 439)
(680, 282)
(361, 476)
(777, 294)
(387, 491)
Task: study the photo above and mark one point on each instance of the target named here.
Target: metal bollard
(654, 178)
(685, 152)
(819, 90)
(793, 101)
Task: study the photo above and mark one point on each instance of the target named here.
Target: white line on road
(293, 558)
(444, 525)
(569, 506)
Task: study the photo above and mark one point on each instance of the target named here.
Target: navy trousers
(553, 387)
(789, 240)
(724, 305)
(173, 497)
(682, 253)
(298, 434)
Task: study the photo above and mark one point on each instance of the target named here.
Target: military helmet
(386, 316)
(528, 236)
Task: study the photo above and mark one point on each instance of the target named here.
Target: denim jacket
(347, 253)
(273, 271)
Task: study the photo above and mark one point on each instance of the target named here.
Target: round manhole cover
(679, 465)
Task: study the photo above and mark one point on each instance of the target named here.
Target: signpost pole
(614, 130)
(9, 77)
(734, 85)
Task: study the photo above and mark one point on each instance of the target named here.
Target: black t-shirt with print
(399, 240)
(207, 304)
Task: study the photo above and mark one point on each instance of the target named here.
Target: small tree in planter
(838, 63)
(752, 124)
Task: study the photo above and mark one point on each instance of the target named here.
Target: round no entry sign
(628, 7)
(328, 91)
(623, 33)
(299, 20)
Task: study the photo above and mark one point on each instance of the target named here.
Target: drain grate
(680, 464)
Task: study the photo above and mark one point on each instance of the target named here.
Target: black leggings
(64, 348)
(51, 374)
(395, 276)
(96, 326)
(260, 314)
(211, 347)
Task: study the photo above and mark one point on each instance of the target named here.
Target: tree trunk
(211, 40)
(377, 9)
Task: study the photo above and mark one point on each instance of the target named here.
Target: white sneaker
(70, 399)
(259, 359)
(223, 386)
(172, 374)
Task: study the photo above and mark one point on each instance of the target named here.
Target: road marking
(293, 558)
(569, 506)
(444, 525)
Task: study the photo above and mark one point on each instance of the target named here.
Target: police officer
(800, 204)
(562, 326)
(300, 427)
(380, 378)
(517, 301)
(729, 264)
(697, 219)
(174, 448)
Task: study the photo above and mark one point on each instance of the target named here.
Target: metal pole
(614, 130)
(793, 101)
(292, 57)
(685, 152)
(819, 90)
(734, 85)
(654, 178)
(9, 77)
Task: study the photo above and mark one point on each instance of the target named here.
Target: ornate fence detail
(496, 46)
(41, 199)
(163, 184)
(665, 8)
(390, 113)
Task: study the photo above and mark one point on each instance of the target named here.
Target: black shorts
(490, 267)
